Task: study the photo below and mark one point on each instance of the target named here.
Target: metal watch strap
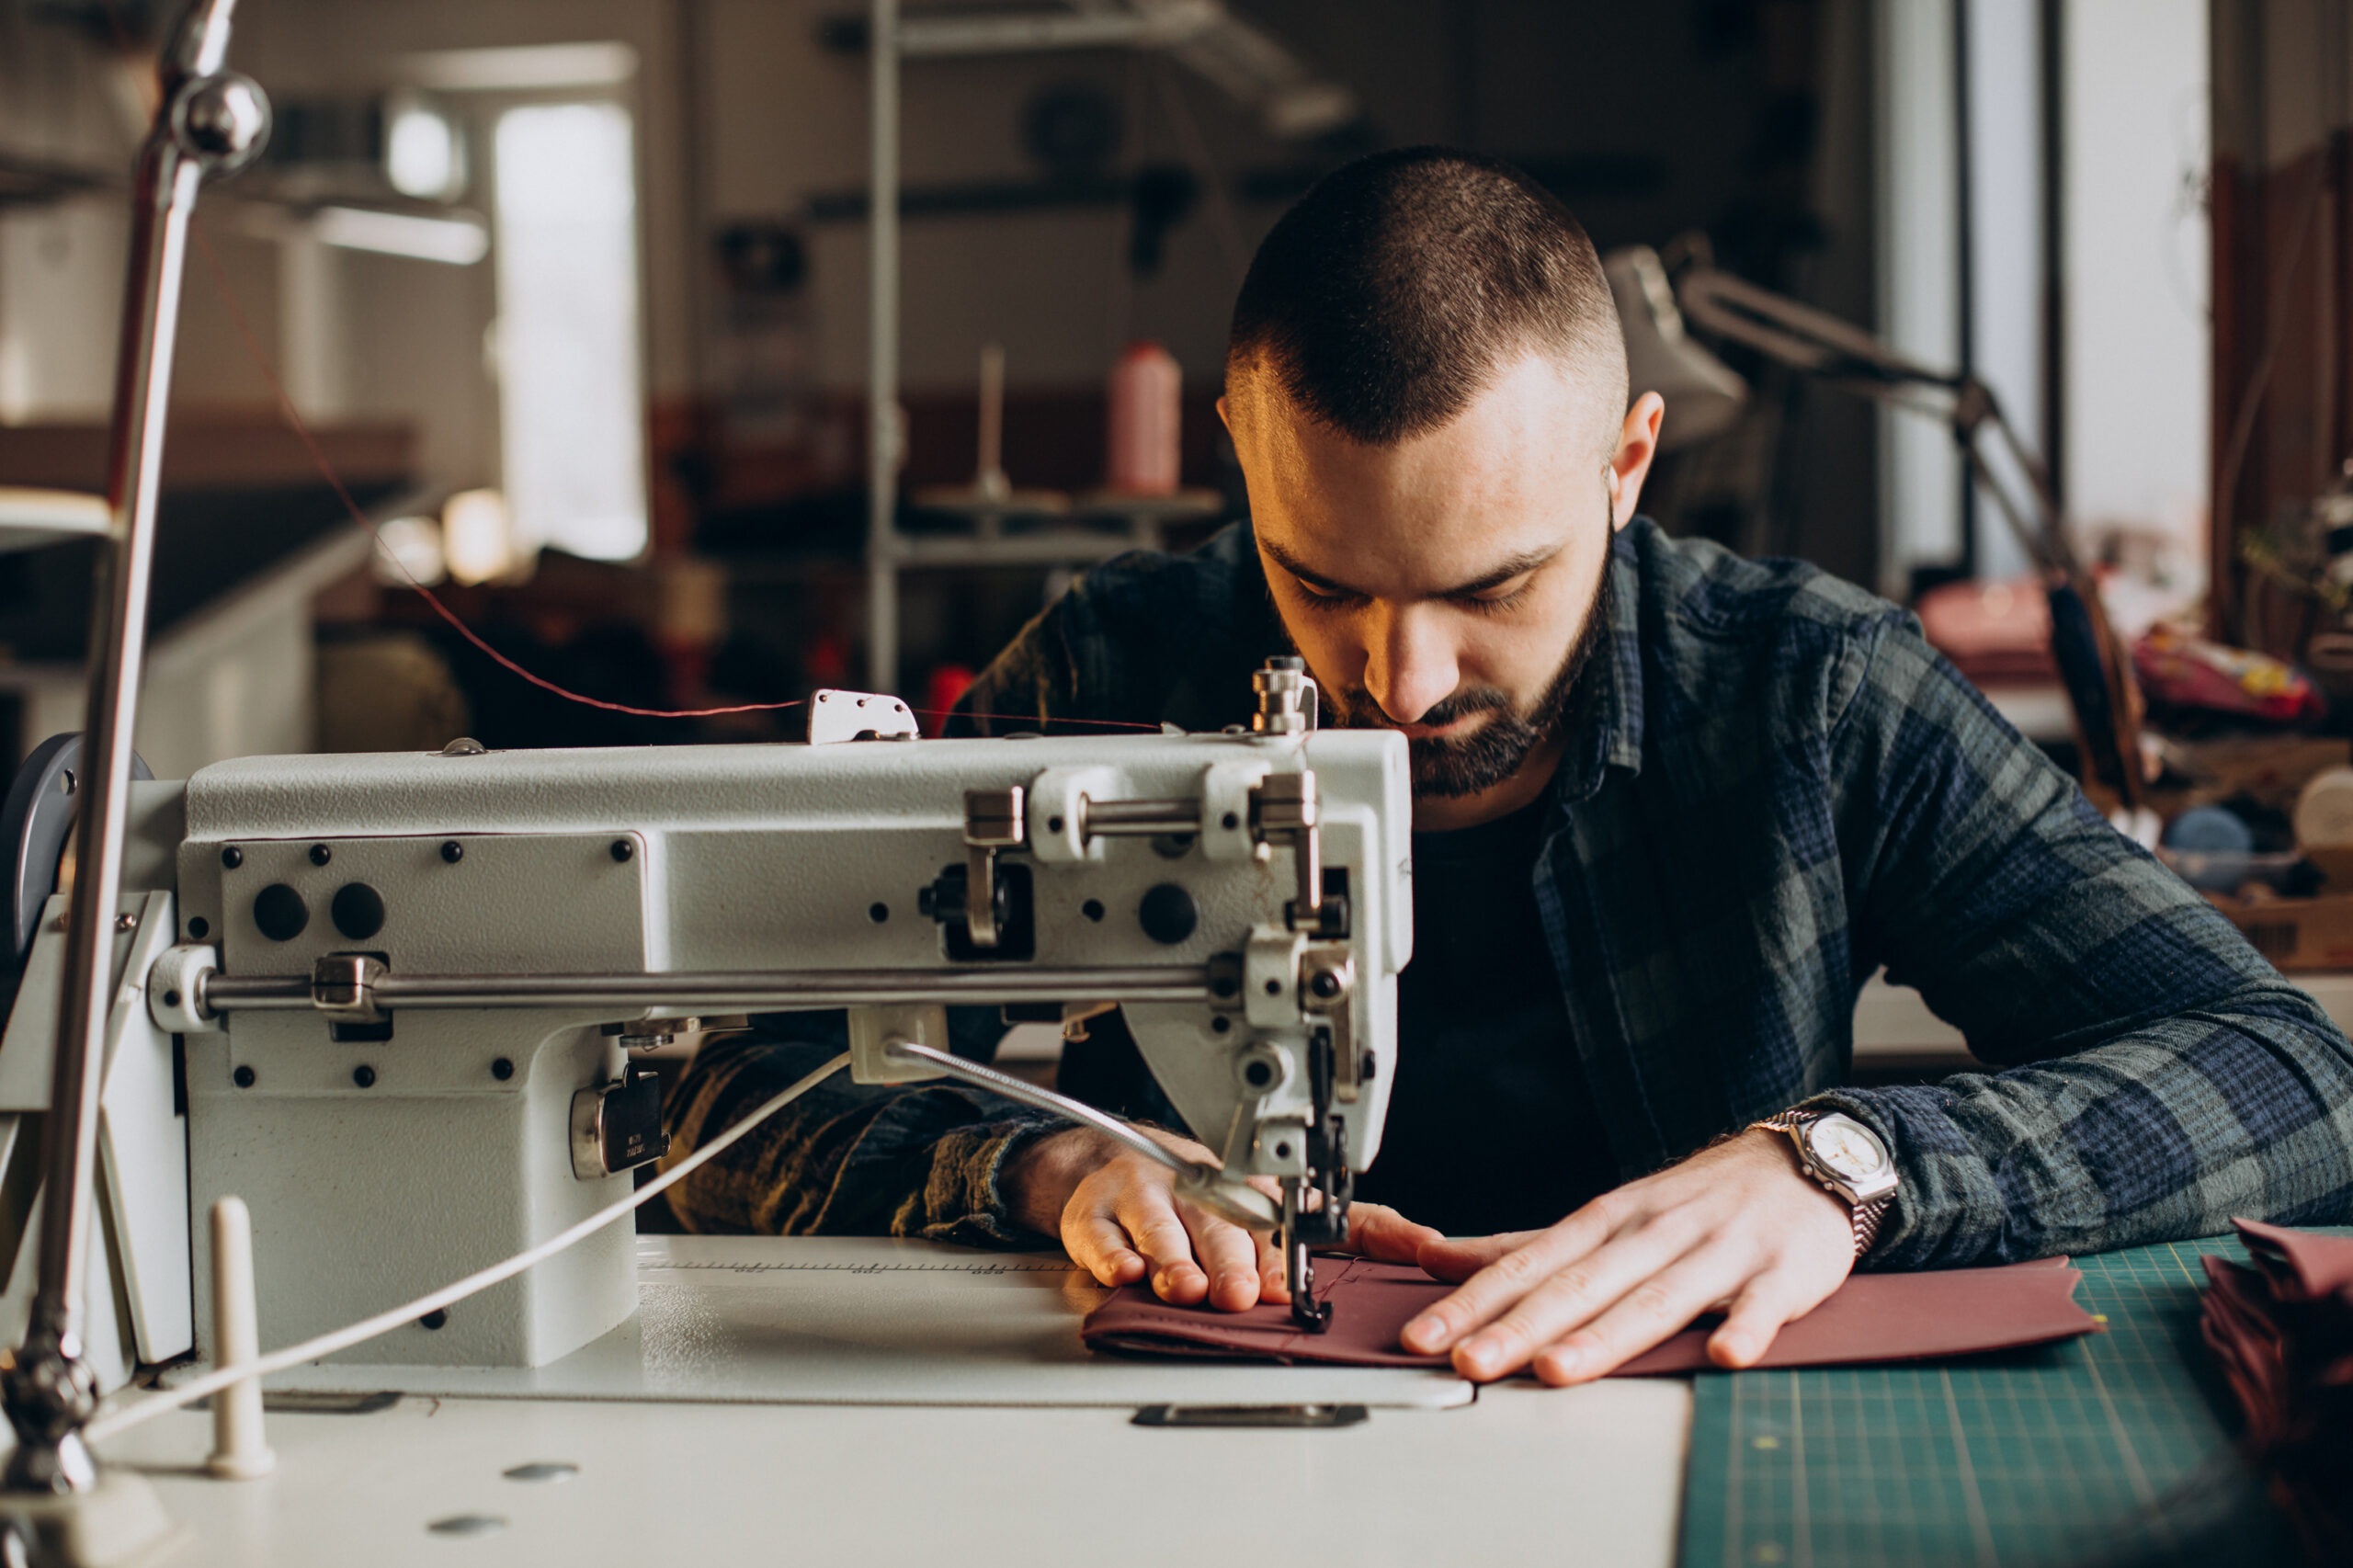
(1866, 1216)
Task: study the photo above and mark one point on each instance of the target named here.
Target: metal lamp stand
(211, 120)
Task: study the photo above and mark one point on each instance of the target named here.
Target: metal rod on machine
(209, 119)
(1139, 819)
(777, 990)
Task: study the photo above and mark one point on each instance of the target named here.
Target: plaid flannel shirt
(1774, 787)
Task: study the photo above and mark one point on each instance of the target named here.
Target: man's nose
(1410, 664)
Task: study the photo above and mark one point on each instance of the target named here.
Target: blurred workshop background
(575, 300)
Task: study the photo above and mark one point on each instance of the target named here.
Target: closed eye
(1496, 600)
(1326, 598)
(1499, 598)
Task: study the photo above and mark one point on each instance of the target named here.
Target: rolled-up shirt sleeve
(2155, 1075)
(845, 1158)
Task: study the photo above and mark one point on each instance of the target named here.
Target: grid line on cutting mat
(2111, 1449)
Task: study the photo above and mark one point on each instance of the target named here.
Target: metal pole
(884, 439)
(209, 119)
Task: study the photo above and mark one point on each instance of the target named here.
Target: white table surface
(871, 1320)
(1522, 1474)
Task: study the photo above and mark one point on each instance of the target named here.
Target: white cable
(127, 1417)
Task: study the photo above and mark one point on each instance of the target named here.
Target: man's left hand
(1738, 1227)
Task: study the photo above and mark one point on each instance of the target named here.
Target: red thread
(318, 457)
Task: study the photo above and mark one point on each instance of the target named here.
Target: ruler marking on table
(1736, 1436)
(1979, 1526)
(1801, 1533)
(2132, 1457)
(2071, 1449)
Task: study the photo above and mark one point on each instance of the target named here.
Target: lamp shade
(1703, 395)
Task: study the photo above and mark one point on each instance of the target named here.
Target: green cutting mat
(2109, 1449)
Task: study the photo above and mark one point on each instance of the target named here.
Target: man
(1672, 809)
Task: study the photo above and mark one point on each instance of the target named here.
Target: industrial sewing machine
(386, 1003)
(404, 987)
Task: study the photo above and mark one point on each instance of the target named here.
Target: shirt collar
(1605, 723)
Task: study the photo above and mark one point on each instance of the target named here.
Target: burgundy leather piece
(2282, 1332)
(1872, 1317)
(2315, 1265)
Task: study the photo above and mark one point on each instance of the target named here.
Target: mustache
(1359, 711)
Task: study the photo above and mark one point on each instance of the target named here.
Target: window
(570, 394)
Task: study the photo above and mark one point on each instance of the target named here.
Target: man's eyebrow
(1527, 561)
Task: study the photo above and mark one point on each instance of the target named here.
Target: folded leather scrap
(1872, 1317)
(2283, 1332)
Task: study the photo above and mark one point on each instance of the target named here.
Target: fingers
(1457, 1258)
(1381, 1232)
(1228, 1256)
(1739, 1224)
(1122, 1227)
(1520, 1318)
(1551, 1259)
(1149, 1216)
(1757, 1313)
(1098, 1244)
(1272, 1284)
(1658, 1307)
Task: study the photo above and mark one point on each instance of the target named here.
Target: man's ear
(1222, 416)
(1630, 464)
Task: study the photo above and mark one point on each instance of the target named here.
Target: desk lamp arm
(2094, 666)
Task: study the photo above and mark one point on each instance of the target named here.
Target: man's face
(1444, 586)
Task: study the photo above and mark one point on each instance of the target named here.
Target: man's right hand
(1120, 1218)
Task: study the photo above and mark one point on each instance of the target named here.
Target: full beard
(1451, 766)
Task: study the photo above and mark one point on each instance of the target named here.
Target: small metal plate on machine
(1250, 1416)
(508, 902)
(617, 1127)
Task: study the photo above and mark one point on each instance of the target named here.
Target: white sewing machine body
(391, 1141)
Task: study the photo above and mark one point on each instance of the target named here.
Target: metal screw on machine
(651, 1034)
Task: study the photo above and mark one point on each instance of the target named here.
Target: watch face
(1845, 1147)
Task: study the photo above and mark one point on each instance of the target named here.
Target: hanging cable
(127, 1417)
(301, 430)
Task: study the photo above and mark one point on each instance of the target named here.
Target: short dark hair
(1386, 298)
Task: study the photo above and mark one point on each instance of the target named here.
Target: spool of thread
(2209, 830)
(1144, 426)
(2325, 811)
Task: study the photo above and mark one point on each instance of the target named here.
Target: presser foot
(1308, 1314)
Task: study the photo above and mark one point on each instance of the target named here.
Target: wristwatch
(1846, 1157)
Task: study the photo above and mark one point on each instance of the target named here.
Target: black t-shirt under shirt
(1491, 1126)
